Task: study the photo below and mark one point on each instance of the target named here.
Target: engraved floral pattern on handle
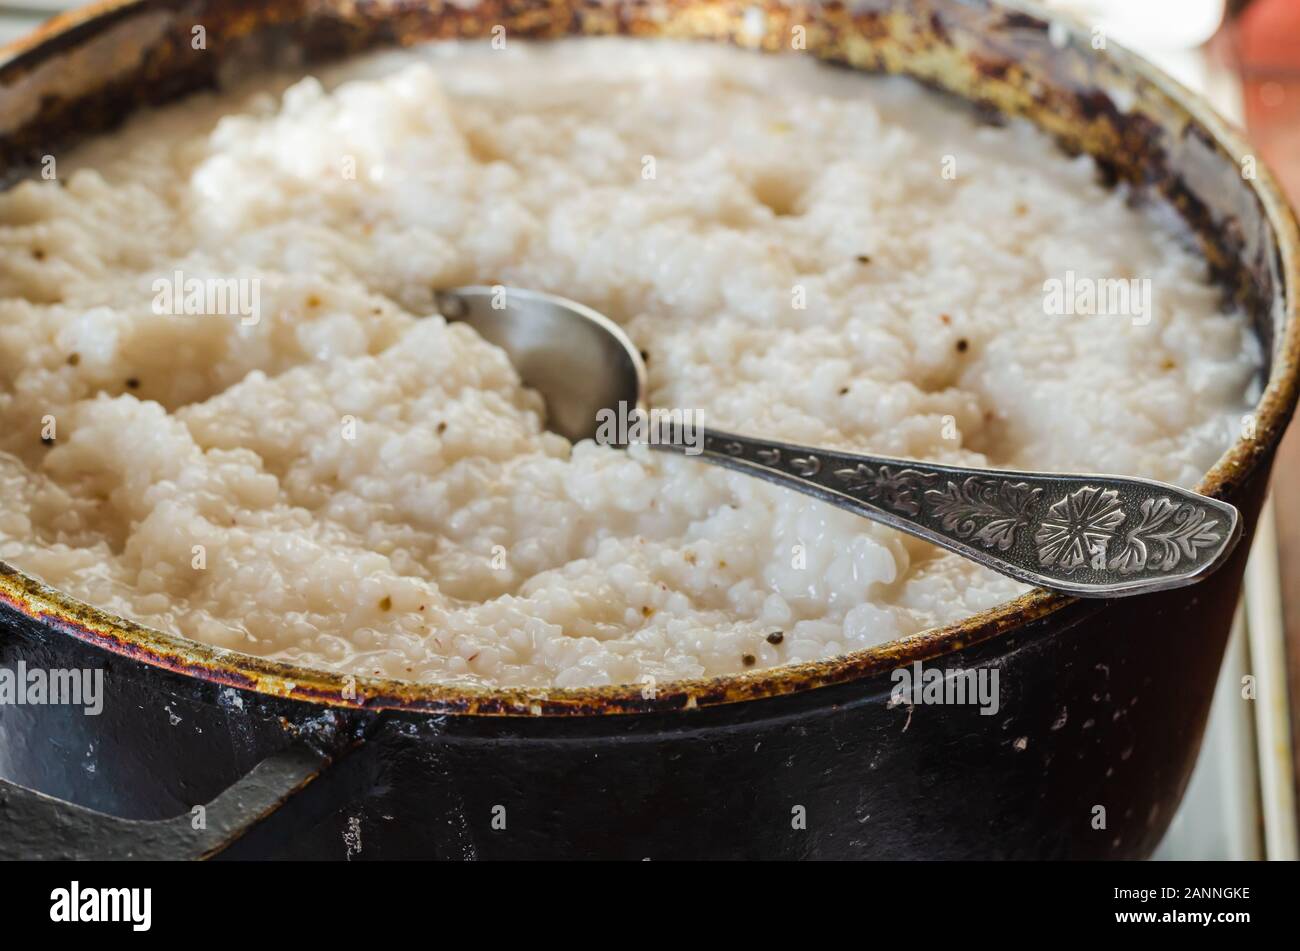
(898, 489)
(990, 511)
(1090, 535)
(1167, 532)
(1078, 527)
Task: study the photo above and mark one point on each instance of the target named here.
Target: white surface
(1149, 24)
(14, 24)
(1271, 709)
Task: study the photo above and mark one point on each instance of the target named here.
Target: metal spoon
(1087, 535)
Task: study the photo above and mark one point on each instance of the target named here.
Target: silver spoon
(1087, 535)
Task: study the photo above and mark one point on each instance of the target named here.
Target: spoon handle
(1087, 535)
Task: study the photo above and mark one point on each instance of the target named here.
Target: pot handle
(36, 826)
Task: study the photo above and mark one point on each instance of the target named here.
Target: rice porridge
(228, 407)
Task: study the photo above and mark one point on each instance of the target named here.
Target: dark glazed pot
(1102, 703)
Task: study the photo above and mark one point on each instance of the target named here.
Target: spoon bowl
(579, 360)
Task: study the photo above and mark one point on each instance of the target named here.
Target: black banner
(923, 900)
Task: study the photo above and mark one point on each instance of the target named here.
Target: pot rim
(224, 667)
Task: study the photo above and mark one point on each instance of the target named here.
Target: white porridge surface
(345, 480)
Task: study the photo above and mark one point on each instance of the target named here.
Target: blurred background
(1244, 56)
